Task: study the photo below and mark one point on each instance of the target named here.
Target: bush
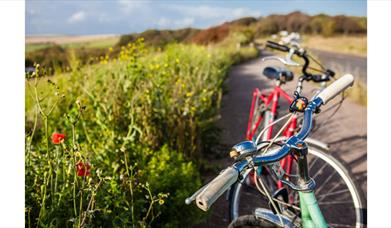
(134, 126)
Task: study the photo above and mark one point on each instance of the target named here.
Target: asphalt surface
(345, 133)
(343, 63)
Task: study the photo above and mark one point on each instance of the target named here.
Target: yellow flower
(177, 60)
(110, 49)
(161, 202)
(189, 94)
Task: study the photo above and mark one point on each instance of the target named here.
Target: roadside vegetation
(120, 143)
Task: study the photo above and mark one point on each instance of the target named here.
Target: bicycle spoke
(319, 171)
(338, 225)
(325, 182)
(332, 189)
(312, 163)
(334, 202)
(332, 193)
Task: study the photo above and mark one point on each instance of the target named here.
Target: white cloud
(77, 17)
(177, 23)
(128, 6)
(207, 12)
(239, 12)
(185, 22)
(163, 22)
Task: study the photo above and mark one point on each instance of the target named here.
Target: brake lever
(330, 72)
(288, 58)
(285, 61)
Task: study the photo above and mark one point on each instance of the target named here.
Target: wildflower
(177, 60)
(161, 202)
(57, 138)
(110, 49)
(83, 169)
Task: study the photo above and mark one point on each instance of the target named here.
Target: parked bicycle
(337, 192)
(267, 155)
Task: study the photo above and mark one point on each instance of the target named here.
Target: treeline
(160, 38)
(319, 24)
(56, 58)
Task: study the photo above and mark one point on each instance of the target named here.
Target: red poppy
(57, 138)
(83, 169)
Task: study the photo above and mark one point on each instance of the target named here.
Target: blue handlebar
(301, 136)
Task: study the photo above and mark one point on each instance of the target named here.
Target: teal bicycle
(266, 155)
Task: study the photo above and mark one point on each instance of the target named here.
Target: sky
(88, 17)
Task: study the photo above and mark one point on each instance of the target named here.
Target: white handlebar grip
(336, 88)
(216, 188)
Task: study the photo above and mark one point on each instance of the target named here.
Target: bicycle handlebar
(303, 54)
(323, 97)
(208, 194)
(216, 188)
(277, 46)
(336, 88)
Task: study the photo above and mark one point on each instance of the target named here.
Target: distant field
(354, 45)
(34, 43)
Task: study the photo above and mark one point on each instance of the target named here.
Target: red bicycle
(244, 197)
(264, 106)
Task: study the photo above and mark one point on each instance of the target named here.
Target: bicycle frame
(310, 212)
(311, 215)
(273, 100)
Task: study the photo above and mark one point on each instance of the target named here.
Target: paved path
(343, 63)
(346, 132)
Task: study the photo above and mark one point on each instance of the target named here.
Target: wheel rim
(337, 195)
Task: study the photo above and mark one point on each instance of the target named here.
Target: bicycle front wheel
(338, 196)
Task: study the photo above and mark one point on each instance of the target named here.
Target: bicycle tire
(355, 192)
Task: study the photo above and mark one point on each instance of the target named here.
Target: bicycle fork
(310, 212)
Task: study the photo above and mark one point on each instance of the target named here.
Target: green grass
(350, 44)
(36, 47)
(141, 120)
(101, 43)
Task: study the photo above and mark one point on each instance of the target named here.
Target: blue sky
(85, 17)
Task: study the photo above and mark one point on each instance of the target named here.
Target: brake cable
(317, 62)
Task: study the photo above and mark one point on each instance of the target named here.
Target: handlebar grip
(216, 188)
(336, 88)
(277, 46)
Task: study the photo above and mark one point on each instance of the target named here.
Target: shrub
(135, 124)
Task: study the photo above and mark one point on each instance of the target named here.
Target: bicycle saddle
(278, 73)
